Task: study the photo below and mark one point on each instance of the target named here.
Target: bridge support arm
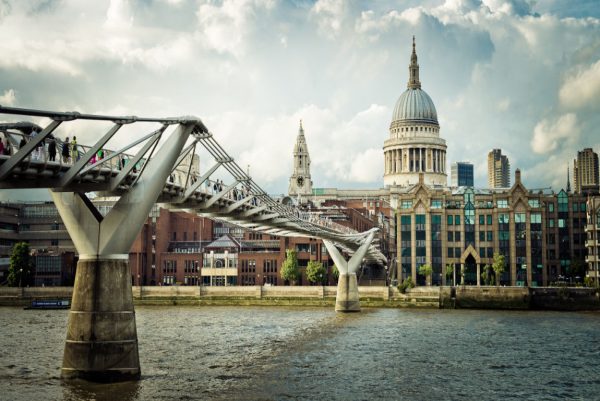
(347, 298)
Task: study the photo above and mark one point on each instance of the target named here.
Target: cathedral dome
(415, 105)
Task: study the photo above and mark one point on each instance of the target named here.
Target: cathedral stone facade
(414, 145)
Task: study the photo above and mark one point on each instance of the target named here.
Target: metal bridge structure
(140, 162)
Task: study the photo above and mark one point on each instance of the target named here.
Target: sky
(523, 76)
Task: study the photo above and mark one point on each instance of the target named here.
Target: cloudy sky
(520, 75)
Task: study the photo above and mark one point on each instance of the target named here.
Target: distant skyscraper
(585, 172)
(461, 174)
(498, 170)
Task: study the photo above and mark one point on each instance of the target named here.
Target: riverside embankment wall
(523, 298)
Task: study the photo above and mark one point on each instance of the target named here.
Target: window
(551, 207)
(534, 202)
(481, 219)
(503, 218)
(582, 207)
(561, 223)
(490, 236)
(489, 219)
(457, 220)
(563, 202)
(436, 203)
(450, 219)
(502, 203)
(551, 223)
(457, 236)
(450, 252)
(405, 220)
(482, 252)
(536, 218)
(450, 236)
(436, 219)
(406, 204)
(481, 235)
(520, 218)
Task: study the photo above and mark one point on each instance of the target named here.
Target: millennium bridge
(156, 167)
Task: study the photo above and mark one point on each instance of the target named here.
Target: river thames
(264, 353)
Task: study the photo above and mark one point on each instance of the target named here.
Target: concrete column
(443, 162)
(462, 274)
(101, 340)
(347, 297)
(398, 161)
(478, 274)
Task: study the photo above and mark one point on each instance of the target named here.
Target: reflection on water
(222, 353)
(79, 390)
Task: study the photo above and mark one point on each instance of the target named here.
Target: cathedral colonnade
(415, 159)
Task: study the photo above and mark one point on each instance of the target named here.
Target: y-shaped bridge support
(101, 340)
(347, 298)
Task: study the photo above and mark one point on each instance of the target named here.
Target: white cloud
(582, 89)
(251, 69)
(330, 15)
(8, 98)
(547, 135)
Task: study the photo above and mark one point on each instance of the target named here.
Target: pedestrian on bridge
(74, 151)
(65, 151)
(6, 151)
(52, 149)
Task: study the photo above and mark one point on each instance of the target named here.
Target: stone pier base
(101, 340)
(347, 299)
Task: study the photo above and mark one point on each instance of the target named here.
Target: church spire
(413, 69)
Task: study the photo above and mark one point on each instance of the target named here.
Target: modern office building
(585, 172)
(539, 232)
(414, 146)
(498, 170)
(461, 174)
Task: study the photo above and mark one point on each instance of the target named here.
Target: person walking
(74, 151)
(52, 149)
(65, 151)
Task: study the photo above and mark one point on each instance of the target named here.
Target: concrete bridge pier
(101, 342)
(347, 298)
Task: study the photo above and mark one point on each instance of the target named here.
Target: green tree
(316, 272)
(289, 269)
(487, 276)
(499, 264)
(406, 284)
(335, 272)
(426, 271)
(19, 271)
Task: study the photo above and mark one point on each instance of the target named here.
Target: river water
(263, 353)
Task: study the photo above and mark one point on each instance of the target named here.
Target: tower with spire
(414, 147)
(300, 181)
